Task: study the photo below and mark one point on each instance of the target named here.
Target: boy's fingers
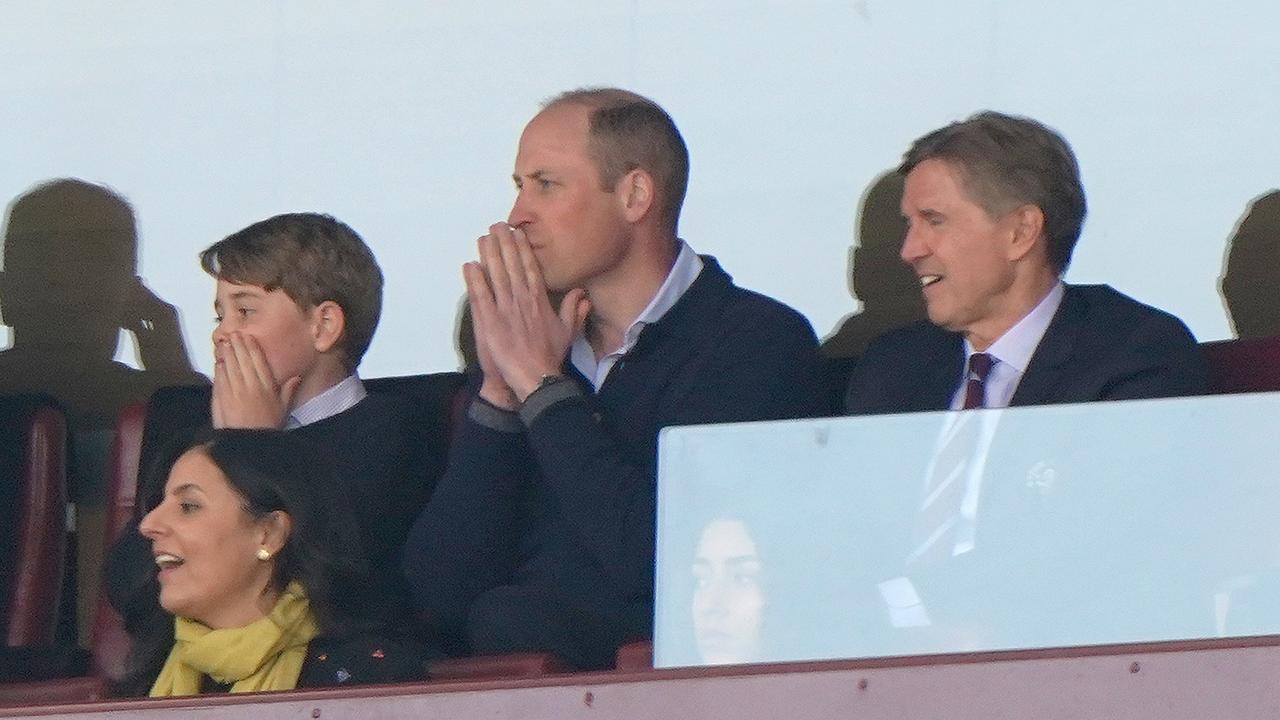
(219, 387)
(232, 373)
(288, 389)
(258, 362)
(247, 367)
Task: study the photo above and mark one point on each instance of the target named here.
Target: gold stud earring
(264, 554)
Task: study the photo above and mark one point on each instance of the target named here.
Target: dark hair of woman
(272, 471)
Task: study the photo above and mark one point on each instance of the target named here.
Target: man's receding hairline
(595, 98)
(970, 182)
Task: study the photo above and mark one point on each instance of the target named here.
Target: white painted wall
(401, 118)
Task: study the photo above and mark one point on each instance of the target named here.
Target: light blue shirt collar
(337, 399)
(1013, 351)
(681, 276)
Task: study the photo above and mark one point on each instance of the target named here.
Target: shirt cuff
(546, 396)
(493, 417)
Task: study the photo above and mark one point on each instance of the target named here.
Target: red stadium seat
(488, 667)
(54, 692)
(1243, 365)
(33, 431)
(109, 643)
(635, 656)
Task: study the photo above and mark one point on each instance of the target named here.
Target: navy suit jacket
(1100, 345)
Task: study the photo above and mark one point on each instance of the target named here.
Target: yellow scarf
(266, 654)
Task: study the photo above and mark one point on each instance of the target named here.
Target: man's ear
(275, 529)
(329, 322)
(637, 194)
(1027, 231)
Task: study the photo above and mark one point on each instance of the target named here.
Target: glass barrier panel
(967, 531)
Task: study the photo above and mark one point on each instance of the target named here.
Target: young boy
(297, 301)
(298, 298)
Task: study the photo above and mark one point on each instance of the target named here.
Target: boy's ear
(328, 324)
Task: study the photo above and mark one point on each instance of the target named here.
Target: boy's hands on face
(520, 337)
(245, 393)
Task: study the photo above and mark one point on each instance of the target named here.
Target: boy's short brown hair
(312, 258)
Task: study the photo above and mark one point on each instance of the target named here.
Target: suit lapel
(1050, 364)
(945, 365)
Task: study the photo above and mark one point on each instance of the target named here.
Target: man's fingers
(494, 388)
(495, 270)
(580, 321)
(508, 246)
(479, 294)
(484, 314)
(574, 308)
(529, 267)
(523, 332)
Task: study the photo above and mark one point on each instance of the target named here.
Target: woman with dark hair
(259, 563)
(730, 596)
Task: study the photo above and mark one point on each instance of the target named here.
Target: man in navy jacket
(994, 207)
(540, 537)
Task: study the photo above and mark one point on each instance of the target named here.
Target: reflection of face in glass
(728, 603)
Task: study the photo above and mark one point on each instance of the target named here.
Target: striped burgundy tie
(975, 390)
(934, 536)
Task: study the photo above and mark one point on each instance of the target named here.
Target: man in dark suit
(994, 207)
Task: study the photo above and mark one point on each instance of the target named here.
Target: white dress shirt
(1012, 353)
